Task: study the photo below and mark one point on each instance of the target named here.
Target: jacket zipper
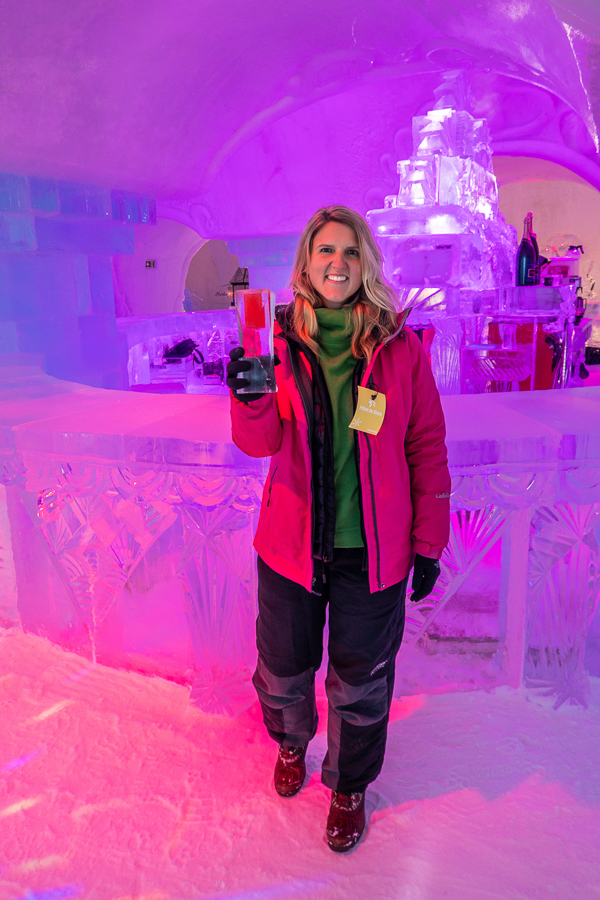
(372, 485)
(355, 379)
(370, 465)
(295, 362)
(271, 485)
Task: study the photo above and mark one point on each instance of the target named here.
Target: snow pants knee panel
(288, 705)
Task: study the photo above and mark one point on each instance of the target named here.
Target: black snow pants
(365, 632)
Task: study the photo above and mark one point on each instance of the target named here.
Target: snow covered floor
(111, 786)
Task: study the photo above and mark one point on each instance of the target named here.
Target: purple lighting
(152, 155)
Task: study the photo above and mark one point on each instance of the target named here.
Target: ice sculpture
(451, 257)
(564, 579)
(442, 237)
(443, 229)
(116, 528)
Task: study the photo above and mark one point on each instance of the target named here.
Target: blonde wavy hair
(373, 310)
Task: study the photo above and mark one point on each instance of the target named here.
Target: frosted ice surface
(43, 193)
(113, 784)
(9, 614)
(16, 233)
(77, 199)
(84, 237)
(13, 193)
(135, 208)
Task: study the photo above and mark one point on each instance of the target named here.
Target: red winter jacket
(403, 471)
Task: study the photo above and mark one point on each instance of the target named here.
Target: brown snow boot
(346, 820)
(290, 770)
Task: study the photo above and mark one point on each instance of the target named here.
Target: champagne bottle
(526, 258)
(536, 250)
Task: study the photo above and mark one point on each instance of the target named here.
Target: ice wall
(142, 290)
(268, 258)
(57, 240)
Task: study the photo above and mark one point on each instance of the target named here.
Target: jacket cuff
(257, 405)
(426, 549)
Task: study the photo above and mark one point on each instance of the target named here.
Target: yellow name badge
(370, 411)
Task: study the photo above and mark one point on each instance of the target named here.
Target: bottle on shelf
(526, 257)
(536, 250)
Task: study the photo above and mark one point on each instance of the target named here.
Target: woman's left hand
(426, 572)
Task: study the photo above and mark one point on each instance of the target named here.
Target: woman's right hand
(234, 366)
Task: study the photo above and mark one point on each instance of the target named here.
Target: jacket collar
(401, 323)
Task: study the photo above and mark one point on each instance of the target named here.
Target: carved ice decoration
(450, 256)
(443, 230)
(100, 522)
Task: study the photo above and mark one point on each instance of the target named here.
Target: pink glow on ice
(142, 796)
(36, 865)
(406, 706)
(19, 806)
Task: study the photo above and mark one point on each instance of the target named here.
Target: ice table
(131, 520)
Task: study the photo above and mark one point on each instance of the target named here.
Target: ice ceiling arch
(180, 99)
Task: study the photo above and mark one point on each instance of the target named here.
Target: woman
(344, 512)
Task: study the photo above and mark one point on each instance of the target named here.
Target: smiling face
(335, 267)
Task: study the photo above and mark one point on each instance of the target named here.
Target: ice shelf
(132, 517)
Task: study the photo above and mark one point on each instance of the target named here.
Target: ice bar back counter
(131, 519)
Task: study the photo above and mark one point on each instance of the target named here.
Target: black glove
(236, 365)
(426, 572)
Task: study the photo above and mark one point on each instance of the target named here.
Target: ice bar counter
(131, 519)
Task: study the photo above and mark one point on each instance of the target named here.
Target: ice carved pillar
(445, 354)
(564, 588)
(513, 593)
(8, 580)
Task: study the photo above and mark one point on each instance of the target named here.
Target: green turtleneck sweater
(337, 363)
